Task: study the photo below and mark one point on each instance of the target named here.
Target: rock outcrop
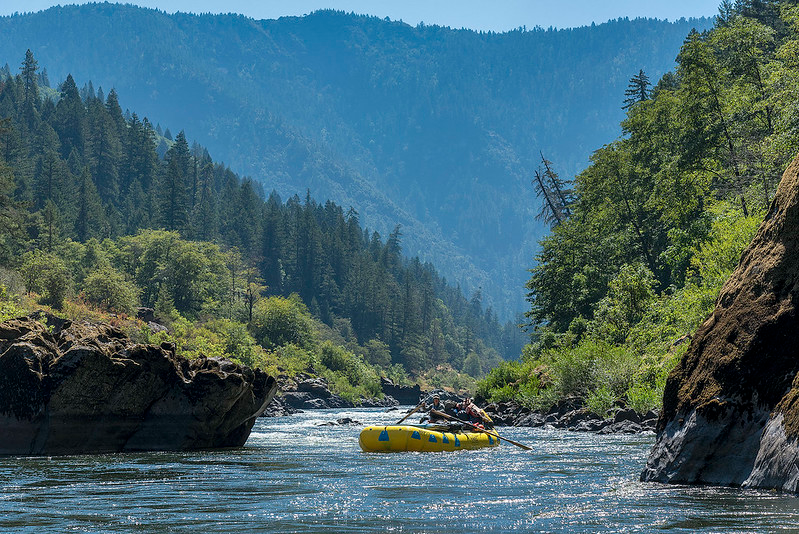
(403, 394)
(68, 388)
(306, 392)
(731, 406)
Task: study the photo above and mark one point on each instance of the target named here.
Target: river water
(297, 476)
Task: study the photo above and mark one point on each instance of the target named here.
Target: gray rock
(626, 414)
(403, 394)
(589, 425)
(317, 387)
(622, 427)
(87, 388)
(533, 419)
(698, 450)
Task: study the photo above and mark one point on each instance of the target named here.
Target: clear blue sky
(496, 15)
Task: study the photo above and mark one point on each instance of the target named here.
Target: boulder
(621, 427)
(403, 394)
(279, 408)
(533, 419)
(71, 388)
(626, 414)
(386, 402)
(317, 387)
(731, 406)
(306, 400)
(342, 421)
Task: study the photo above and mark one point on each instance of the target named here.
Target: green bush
(348, 366)
(279, 321)
(511, 380)
(600, 400)
(108, 288)
(46, 274)
(9, 307)
(397, 374)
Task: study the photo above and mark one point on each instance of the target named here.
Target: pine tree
(30, 85)
(637, 90)
(105, 152)
(172, 198)
(557, 197)
(69, 119)
(90, 219)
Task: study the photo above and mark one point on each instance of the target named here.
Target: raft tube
(403, 438)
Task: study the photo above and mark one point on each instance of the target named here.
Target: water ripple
(296, 476)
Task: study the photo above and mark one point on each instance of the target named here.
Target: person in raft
(468, 411)
(437, 406)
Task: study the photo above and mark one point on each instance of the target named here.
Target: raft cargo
(421, 438)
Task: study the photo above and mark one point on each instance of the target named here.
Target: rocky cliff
(731, 407)
(70, 388)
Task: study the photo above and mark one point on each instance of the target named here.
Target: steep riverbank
(731, 406)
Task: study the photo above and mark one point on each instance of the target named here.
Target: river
(296, 476)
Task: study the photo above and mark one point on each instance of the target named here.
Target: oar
(407, 415)
(446, 416)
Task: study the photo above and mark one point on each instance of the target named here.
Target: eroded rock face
(731, 407)
(80, 388)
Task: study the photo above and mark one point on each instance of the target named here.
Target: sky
(486, 15)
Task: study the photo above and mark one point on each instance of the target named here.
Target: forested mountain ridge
(90, 208)
(435, 129)
(657, 222)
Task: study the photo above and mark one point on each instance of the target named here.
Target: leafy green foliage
(352, 376)
(661, 216)
(47, 275)
(280, 321)
(108, 288)
(9, 306)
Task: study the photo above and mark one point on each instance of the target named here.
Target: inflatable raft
(422, 438)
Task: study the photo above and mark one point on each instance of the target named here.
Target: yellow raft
(402, 438)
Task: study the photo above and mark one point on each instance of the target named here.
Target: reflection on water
(296, 476)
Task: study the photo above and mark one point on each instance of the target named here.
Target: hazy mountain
(436, 129)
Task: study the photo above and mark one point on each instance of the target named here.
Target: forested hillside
(436, 129)
(653, 227)
(90, 210)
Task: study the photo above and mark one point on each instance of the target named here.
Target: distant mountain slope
(435, 129)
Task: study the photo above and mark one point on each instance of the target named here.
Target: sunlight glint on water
(297, 476)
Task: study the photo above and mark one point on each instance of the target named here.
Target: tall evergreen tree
(69, 119)
(90, 218)
(637, 90)
(173, 201)
(30, 86)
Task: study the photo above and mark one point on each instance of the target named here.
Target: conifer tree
(105, 152)
(90, 219)
(637, 90)
(173, 202)
(30, 86)
(69, 120)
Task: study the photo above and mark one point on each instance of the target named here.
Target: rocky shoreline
(570, 414)
(305, 392)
